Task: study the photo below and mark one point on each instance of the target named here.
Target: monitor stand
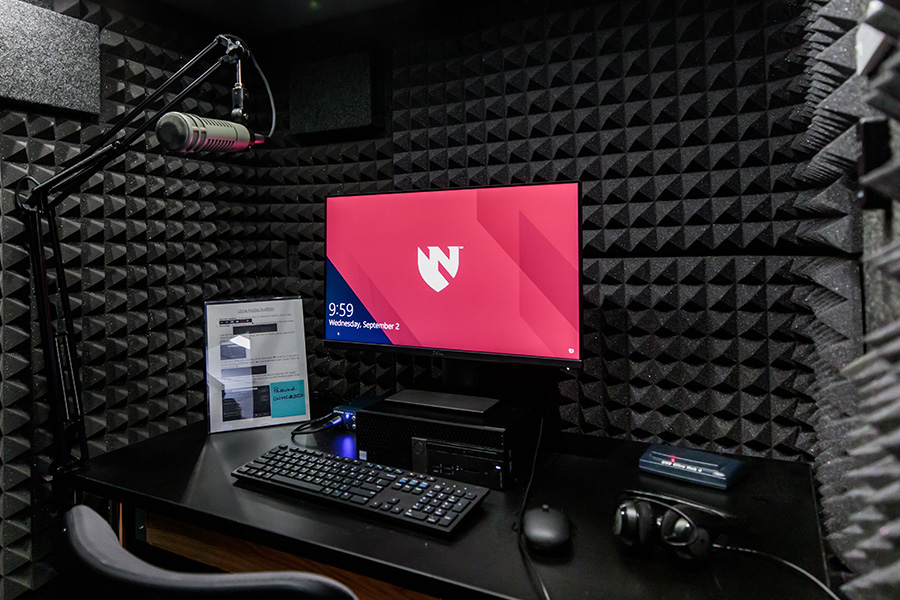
(452, 402)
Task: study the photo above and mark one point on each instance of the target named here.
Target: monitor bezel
(474, 355)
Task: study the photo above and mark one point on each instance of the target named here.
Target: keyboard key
(309, 487)
(461, 505)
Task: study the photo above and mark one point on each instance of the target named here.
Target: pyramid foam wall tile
(856, 461)
(679, 121)
(725, 353)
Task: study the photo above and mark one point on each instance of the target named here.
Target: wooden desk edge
(235, 555)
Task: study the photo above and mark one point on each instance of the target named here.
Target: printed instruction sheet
(255, 363)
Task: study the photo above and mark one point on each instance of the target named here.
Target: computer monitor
(487, 273)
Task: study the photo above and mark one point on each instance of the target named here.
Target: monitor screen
(489, 272)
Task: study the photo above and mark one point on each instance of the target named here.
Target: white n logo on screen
(428, 265)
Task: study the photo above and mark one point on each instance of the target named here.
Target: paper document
(255, 363)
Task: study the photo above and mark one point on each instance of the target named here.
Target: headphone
(644, 518)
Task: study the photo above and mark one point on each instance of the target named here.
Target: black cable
(269, 90)
(782, 561)
(261, 75)
(313, 423)
(317, 425)
(529, 565)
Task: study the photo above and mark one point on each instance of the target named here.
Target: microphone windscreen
(172, 131)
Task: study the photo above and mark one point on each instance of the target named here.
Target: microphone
(182, 132)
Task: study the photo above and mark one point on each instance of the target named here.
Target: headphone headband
(637, 524)
(668, 501)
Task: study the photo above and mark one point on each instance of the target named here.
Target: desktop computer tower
(490, 449)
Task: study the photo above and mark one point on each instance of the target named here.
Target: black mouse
(546, 529)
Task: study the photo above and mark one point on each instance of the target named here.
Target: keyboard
(413, 500)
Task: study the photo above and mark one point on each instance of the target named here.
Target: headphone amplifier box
(487, 448)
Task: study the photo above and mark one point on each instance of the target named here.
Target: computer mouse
(546, 529)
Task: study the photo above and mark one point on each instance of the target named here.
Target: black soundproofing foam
(682, 147)
(729, 353)
(332, 94)
(833, 91)
(864, 509)
(860, 470)
(48, 58)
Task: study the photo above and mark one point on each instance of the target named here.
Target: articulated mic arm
(38, 204)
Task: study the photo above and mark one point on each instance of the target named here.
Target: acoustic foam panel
(834, 92)
(48, 58)
(332, 94)
(679, 121)
(864, 509)
(860, 468)
(727, 353)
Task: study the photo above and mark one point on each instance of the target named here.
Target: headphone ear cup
(687, 539)
(697, 549)
(634, 523)
(646, 522)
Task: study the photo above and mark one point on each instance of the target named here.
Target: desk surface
(186, 474)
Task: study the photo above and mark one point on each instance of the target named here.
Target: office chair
(120, 574)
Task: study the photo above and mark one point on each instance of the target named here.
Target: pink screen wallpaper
(487, 270)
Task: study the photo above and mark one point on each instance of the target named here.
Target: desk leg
(235, 555)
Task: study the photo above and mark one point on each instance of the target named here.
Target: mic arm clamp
(235, 48)
(56, 320)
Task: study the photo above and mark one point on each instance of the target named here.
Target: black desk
(185, 475)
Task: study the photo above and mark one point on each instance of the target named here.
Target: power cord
(781, 561)
(529, 565)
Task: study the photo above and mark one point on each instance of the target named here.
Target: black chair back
(114, 570)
